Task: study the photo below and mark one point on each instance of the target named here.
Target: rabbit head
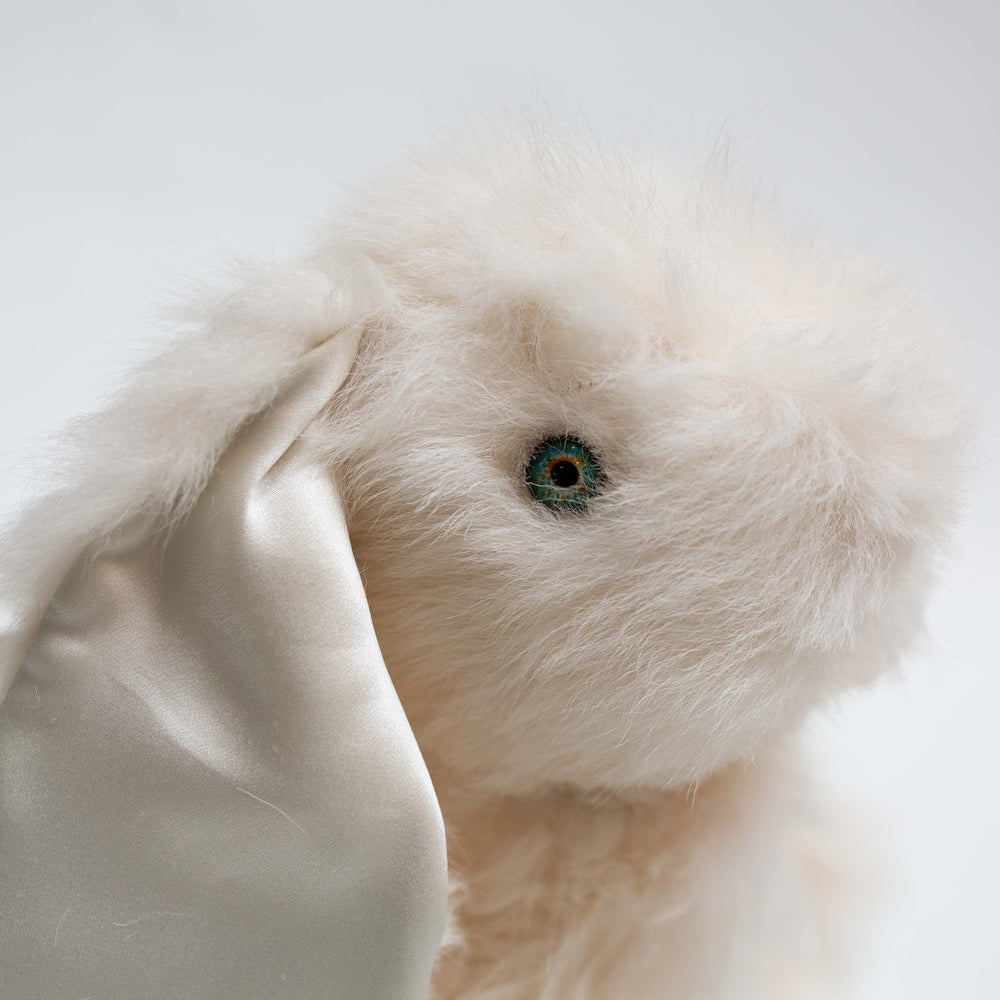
(759, 440)
(758, 437)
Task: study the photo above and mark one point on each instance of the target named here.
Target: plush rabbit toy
(544, 496)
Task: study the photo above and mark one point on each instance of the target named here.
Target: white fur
(782, 438)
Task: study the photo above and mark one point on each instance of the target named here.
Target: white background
(146, 142)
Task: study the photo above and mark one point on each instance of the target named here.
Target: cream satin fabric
(208, 788)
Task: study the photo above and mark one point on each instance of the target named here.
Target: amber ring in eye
(563, 473)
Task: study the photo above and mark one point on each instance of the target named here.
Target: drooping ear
(208, 786)
(152, 448)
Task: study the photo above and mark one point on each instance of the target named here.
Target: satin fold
(208, 787)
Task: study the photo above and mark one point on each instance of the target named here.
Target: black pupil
(565, 474)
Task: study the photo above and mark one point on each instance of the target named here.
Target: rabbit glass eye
(563, 473)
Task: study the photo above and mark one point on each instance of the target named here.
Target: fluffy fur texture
(606, 701)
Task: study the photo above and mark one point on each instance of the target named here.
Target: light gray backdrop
(144, 142)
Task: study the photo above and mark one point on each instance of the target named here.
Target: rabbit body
(738, 891)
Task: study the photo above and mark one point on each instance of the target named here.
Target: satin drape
(208, 787)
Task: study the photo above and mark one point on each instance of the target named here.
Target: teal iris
(563, 473)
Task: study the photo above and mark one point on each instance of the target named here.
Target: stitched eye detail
(563, 473)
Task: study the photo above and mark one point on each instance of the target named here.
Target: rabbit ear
(209, 787)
